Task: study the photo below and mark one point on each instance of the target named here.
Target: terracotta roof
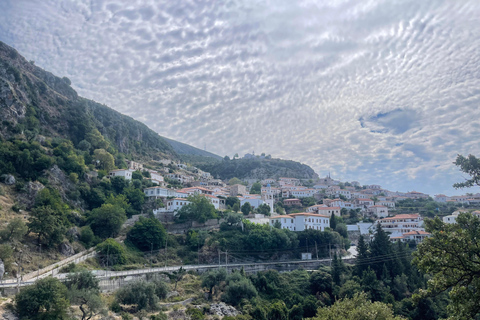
(291, 200)
(277, 217)
(308, 214)
(416, 232)
(329, 208)
(404, 216)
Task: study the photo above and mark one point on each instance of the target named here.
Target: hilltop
(259, 169)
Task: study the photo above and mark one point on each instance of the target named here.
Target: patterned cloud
(378, 91)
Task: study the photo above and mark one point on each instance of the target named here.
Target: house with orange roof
(417, 236)
(402, 223)
(328, 211)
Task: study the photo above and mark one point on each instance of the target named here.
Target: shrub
(147, 234)
(43, 300)
(139, 293)
(111, 253)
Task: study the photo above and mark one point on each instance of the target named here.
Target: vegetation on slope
(258, 168)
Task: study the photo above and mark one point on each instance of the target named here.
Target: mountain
(34, 102)
(187, 150)
(259, 169)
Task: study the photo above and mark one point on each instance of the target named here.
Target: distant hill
(259, 169)
(187, 150)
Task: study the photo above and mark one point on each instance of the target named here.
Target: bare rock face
(223, 310)
(32, 188)
(8, 179)
(74, 233)
(66, 249)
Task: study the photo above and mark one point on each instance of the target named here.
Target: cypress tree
(333, 222)
(381, 251)
(361, 263)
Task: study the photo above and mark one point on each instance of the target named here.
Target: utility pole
(316, 249)
(166, 253)
(330, 253)
(218, 258)
(226, 260)
(151, 255)
(108, 258)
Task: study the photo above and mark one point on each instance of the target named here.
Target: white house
(177, 204)
(254, 200)
(441, 198)
(302, 221)
(386, 203)
(303, 193)
(159, 192)
(417, 235)
(154, 175)
(315, 207)
(402, 223)
(378, 211)
(328, 211)
(126, 173)
(286, 222)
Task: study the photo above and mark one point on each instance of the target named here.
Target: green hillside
(259, 169)
(34, 102)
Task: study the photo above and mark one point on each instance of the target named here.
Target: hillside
(184, 149)
(259, 169)
(35, 102)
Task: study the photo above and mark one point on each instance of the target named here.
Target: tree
(231, 201)
(381, 247)
(256, 188)
(238, 288)
(105, 159)
(246, 208)
(46, 299)
(147, 234)
(338, 268)
(177, 275)
(264, 209)
(234, 180)
(83, 289)
(361, 262)
(107, 220)
(15, 230)
(137, 175)
(48, 224)
(212, 279)
(139, 293)
(111, 253)
(450, 255)
(199, 209)
(471, 166)
(333, 221)
(321, 281)
(359, 307)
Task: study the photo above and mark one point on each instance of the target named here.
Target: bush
(111, 253)
(147, 234)
(139, 293)
(43, 300)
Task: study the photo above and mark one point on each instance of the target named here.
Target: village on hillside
(290, 203)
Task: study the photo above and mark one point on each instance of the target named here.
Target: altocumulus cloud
(377, 91)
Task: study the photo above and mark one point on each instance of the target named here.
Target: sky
(380, 92)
